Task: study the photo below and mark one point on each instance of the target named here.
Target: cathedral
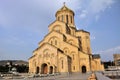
(64, 49)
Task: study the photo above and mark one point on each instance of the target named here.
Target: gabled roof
(56, 22)
(82, 31)
(49, 45)
(96, 56)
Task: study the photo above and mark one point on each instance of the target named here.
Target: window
(73, 67)
(57, 28)
(87, 37)
(62, 18)
(88, 49)
(55, 42)
(62, 64)
(71, 43)
(71, 18)
(51, 42)
(67, 18)
(73, 57)
(58, 18)
(65, 51)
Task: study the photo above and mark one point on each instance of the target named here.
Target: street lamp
(9, 65)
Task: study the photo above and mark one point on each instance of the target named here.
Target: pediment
(57, 26)
(56, 23)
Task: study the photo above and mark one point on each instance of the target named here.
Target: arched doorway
(37, 70)
(44, 69)
(51, 69)
(83, 69)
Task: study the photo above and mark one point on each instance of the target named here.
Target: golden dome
(64, 8)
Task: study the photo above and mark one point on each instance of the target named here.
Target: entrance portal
(83, 69)
(44, 69)
(51, 69)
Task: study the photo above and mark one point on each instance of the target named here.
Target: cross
(64, 3)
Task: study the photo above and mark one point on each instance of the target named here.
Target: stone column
(48, 69)
(53, 69)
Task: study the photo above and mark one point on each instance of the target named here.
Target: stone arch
(46, 50)
(44, 68)
(51, 40)
(66, 50)
(46, 53)
(37, 70)
(83, 68)
(54, 41)
(51, 70)
(71, 41)
(57, 28)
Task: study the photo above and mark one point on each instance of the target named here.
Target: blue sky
(23, 23)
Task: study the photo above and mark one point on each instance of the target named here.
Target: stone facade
(64, 49)
(116, 59)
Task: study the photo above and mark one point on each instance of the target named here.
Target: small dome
(64, 8)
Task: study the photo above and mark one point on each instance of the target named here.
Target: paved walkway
(65, 77)
(59, 77)
(77, 76)
(101, 77)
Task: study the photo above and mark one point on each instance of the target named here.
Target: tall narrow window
(62, 64)
(71, 18)
(73, 57)
(51, 42)
(73, 67)
(88, 49)
(55, 42)
(58, 18)
(62, 18)
(66, 18)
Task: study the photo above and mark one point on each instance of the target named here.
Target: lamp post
(9, 65)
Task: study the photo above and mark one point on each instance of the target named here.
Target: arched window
(58, 18)
(55, 42)
(51, 42)
(88, 50)
(71, 41)
(57, 28)
(66, 50)
(62, 18)
(71, 18)
(73, 67)
(62, 64)
(73, 56)
(66, 18)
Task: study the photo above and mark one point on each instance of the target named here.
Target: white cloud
(108, 54)
(92, 37)
(97, 6)
(83, 14)
(93, 9)
(97, 17)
